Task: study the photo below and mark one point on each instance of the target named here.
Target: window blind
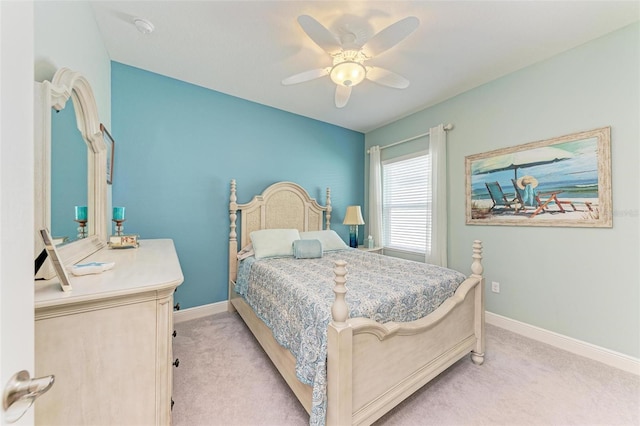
(406, 203)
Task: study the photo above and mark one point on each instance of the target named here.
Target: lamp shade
(353, 216)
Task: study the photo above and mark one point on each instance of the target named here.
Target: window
(406, 203)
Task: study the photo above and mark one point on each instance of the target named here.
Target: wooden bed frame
(371, 367)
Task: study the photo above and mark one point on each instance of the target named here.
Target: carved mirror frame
(67, 84)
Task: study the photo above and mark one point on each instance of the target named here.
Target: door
(16, 193)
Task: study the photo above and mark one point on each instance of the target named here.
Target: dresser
(109, 340)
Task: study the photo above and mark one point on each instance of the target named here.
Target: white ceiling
(246, 48)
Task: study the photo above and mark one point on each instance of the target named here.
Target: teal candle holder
(118, 218)
(81, 213)
(118, 213)
(81, 218)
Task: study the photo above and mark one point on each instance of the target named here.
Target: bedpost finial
(232, 196)
(476, 266)
(339, 309)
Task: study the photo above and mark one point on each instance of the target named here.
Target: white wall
(579, 282)
(66, 35)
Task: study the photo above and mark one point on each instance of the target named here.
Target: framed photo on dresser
(55, 259)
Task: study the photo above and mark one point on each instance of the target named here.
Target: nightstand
(372, 250)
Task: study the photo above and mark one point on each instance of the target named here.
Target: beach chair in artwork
(527, 196)
(500, 199)
(520, 197)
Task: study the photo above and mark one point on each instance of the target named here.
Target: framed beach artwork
(564, 181)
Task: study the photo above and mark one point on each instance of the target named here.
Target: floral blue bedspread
(294, 296)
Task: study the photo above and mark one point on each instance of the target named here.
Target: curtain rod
(446, 127)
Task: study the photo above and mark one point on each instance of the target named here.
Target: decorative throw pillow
(330, 239)
(307, 249)
(274, 242)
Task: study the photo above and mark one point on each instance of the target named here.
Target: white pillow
(273, 242)
(330, 239)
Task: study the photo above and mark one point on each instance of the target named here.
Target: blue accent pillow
(329, 239)
(307, 249)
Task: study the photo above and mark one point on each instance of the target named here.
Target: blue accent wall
(179, 145)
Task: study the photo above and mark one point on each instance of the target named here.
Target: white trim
(575, 346)
(199, 311)
(569, 344)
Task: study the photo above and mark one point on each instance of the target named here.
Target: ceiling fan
(349, 55)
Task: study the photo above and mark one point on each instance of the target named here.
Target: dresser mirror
(70, 169)
(69, 173)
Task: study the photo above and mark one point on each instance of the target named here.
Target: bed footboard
(372, 367)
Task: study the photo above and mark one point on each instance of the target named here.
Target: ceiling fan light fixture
(348, 73)
(350, 50)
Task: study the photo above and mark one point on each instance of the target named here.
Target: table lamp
(353, 218)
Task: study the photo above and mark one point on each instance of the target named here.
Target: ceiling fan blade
(319, 34)
(386, 78)
(390, 36)
(343, 93)
(306, 76)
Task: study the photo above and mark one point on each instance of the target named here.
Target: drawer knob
(176, 306)
(176, 363)
(175, 333)
(172, 402)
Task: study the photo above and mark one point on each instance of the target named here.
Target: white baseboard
(569, 344)
(199, 311)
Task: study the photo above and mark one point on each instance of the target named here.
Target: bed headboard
(283, 205)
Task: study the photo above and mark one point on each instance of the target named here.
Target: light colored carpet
(225, 378)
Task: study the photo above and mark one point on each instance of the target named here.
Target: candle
(81, 212)
(118, 213)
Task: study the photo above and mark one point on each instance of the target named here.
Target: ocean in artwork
(570, 168)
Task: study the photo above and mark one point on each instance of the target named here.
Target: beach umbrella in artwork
(520, 159)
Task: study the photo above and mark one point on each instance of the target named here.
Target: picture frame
(55, 260)
(563, 181)
(111, 147)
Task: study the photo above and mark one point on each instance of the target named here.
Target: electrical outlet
(495, 287)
